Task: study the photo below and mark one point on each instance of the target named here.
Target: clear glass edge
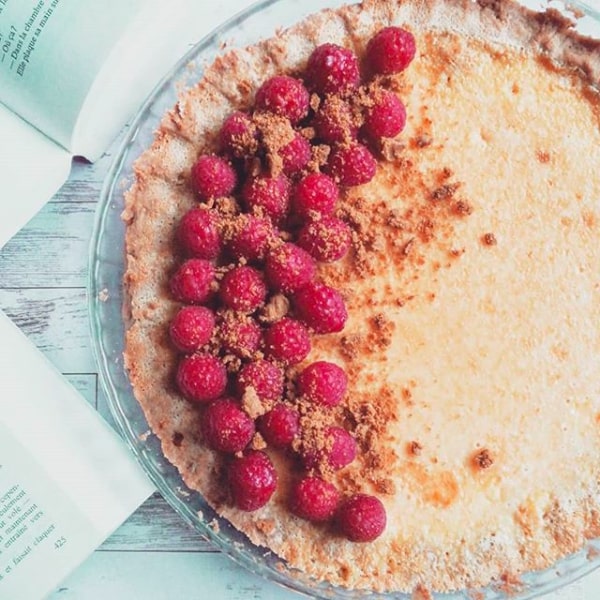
(247, 557)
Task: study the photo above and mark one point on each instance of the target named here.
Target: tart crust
(473, 342)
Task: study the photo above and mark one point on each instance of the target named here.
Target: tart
(468, 297)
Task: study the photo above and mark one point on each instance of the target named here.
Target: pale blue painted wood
(166, 576)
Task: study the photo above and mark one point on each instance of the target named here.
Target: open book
(72, 72)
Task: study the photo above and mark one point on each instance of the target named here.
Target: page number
(59, 543)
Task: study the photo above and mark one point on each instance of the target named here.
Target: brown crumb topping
(483, 459)
(414, 448)
(489, 239)
(253, 405)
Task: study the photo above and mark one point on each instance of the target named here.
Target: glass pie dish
(106, 268)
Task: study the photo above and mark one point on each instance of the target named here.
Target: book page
(67, 481)
(50, 54)
(23, 150)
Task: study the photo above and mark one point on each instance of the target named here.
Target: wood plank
(166, 576)
(85, 180)
(56, 321)
(52, 251)
(155, 526)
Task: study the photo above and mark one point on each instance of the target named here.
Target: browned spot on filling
(489, 239)
(414, 448)
(438, 488)
(482, 459)
(589, 219)
(543, 156)
(526, 518)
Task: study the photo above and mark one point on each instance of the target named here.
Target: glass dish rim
(239, 555)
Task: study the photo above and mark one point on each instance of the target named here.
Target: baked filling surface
(472, 344)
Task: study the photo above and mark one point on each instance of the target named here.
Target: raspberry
(239, 135)
(390, 50)
(252, 480)
(213, 177)
(201, 377)
(287, 340)
(251, 237)
(241, 336)
(279, 426)
(362, 518)
(192, 281)
(339, 451)
(326, 239)
(316, 193)
(295, 154)
(243, 289)
(332, 69)
(386, 118)
(264, 377)
(284, 96)
(191, 328)
(271, 195)
(343, 449)
(333, 122)
(314, 499)
(323, 383)
(352, 165)
(289, 268)
(198, 234)
(226, 427)
(321, 307)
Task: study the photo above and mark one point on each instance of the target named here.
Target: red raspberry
(191, 328)
(332, 69)
(201, 377)
(252, 480)
(362, 518)
(386, 118)
(343, 449)
(241, 336)
(295, 154)
(213, 177)
(287, 340)
(226, 427)
(239, 135)
(251, 237)
(289, 268)
(333, 122)
(323, 383)
(192, 282)
(321, 307)
(352, 165)
(339, 451)
(326, 239)
(314, 499)
(390, 50)
(270, 195)
(279, 426)
(284, 96)
(243, 289)
(316, 193)
(264, 377)
(198, 234)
